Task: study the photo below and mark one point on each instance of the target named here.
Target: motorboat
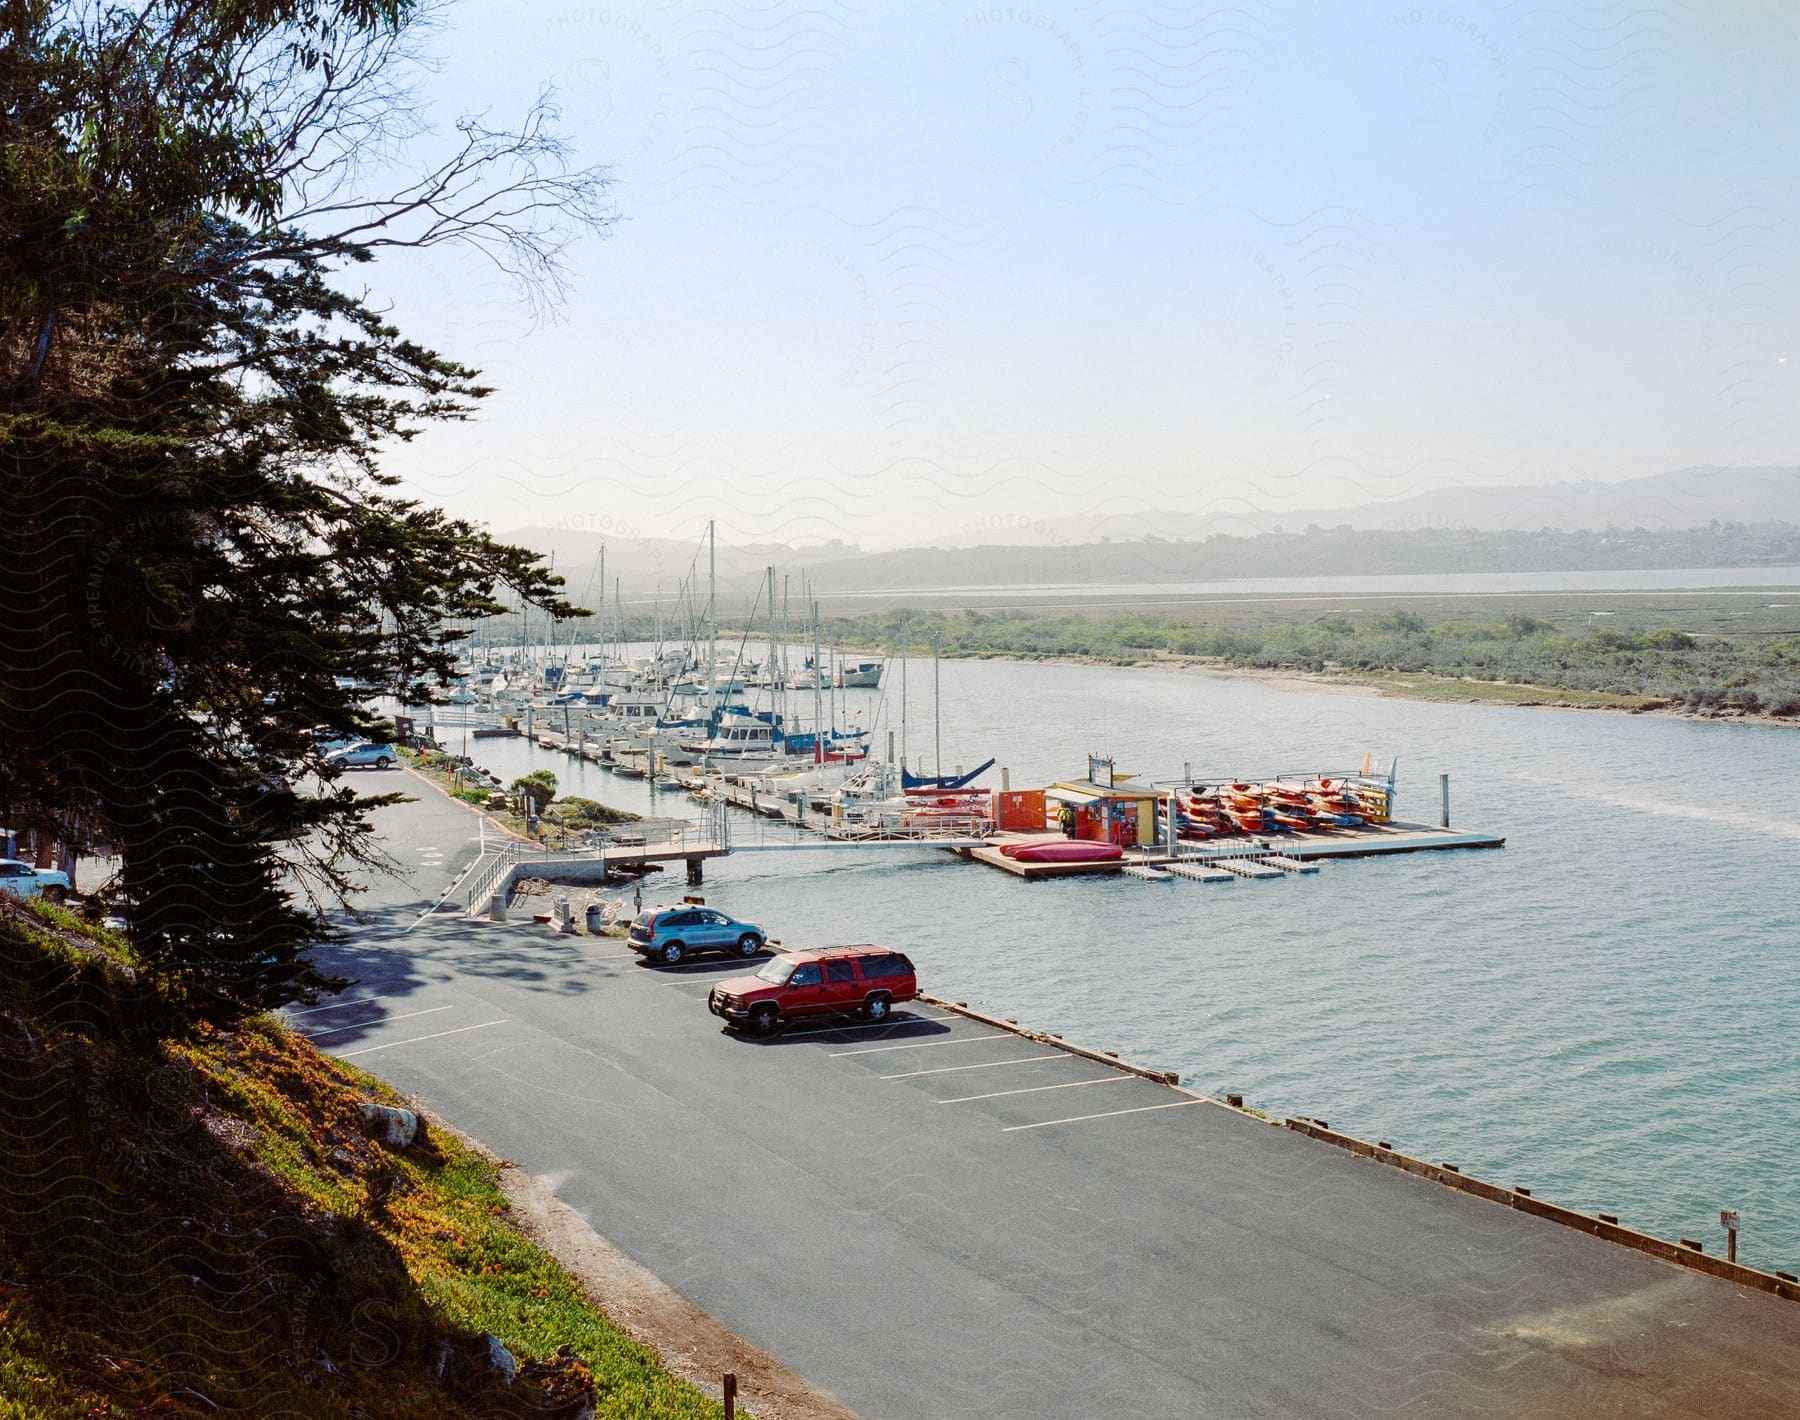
(858, 675)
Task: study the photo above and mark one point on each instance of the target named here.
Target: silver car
(672, 934)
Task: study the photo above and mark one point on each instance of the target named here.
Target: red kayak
(1067, 851)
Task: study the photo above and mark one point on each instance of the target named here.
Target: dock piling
(1444, 792)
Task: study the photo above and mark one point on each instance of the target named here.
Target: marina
(1527, 982)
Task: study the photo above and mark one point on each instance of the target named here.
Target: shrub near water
(1666, 664)
(204, 1222)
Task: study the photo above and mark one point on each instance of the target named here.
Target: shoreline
(1393, 685)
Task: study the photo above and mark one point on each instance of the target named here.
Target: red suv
(834, 979)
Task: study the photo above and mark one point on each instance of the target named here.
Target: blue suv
(672, 934)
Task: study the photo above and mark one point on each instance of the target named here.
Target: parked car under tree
(22, 880)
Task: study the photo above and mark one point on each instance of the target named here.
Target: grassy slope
(209, 1219)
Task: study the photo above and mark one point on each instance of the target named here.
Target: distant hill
(1694, 517)
(1684, 498)
(643, 565)
(1317, 552)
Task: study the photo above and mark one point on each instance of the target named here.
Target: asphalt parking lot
(935, 1218)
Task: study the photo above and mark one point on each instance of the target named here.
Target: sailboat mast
(937, 710)
(818, 726)
(712, 622)
(769, 660)
(903, 660)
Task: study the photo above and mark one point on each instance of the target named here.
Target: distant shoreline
(1399, 685)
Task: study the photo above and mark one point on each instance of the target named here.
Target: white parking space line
(985, 1065)
(340, 1005)
(1109, 1114)
(1035, 1089)
(921, 1045)
(364, 1025)
(371, 1049)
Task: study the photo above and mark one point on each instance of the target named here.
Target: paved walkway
(935, 1219)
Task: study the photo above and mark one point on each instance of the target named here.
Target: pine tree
(200, 548)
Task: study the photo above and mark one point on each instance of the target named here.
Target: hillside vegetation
(203, 1225)
(1662, 666)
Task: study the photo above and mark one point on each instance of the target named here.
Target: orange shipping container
(1020, 810)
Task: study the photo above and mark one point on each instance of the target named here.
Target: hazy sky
(904, 273)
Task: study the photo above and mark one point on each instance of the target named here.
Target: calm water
(1607, 1009)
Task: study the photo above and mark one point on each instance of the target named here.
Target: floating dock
(1247, 868)
(992, 855)
(1255, 856)
(1197, 873)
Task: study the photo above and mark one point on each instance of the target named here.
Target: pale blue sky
(904, 274)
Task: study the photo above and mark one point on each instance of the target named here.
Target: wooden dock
(1224, 860)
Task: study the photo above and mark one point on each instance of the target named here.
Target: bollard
(497, 908)
(1235, 1101)
(730, 1396)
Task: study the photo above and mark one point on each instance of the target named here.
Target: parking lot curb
(1604, 1228)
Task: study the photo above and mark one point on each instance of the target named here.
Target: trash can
(596, 918)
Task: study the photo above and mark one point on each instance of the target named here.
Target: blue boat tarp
(909, 780)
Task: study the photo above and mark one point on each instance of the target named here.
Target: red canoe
(1067, 851)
